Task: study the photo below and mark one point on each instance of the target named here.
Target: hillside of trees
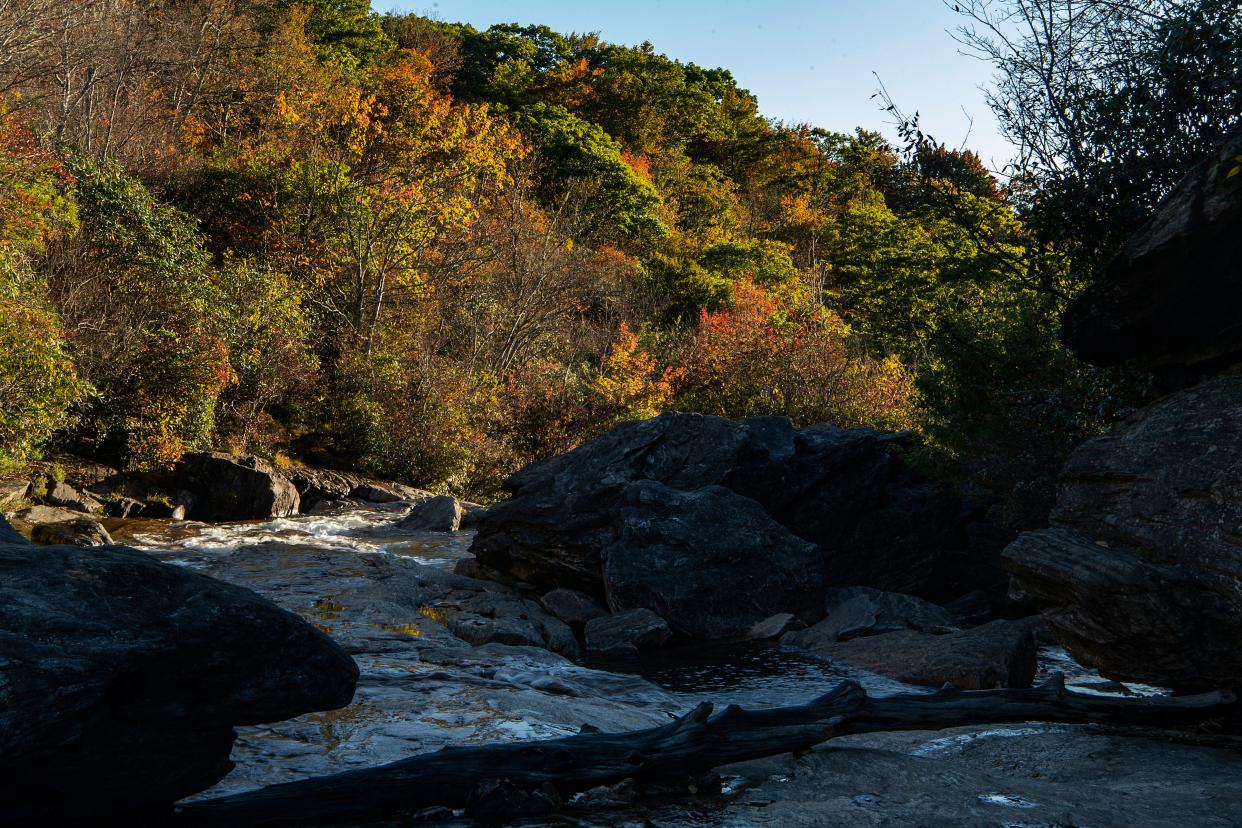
(436, 254)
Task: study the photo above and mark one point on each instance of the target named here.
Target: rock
(1164, 493)
(122, 678)
(626, 634)
(376, 493)
(13, 491)
(573, 607)
(125, 507)
(81, 531)
(876, 521)
(46, 514)
(1169, 299)
(998, 654)
(773, 626)
(62, 494)
(437, 514)
(1129, 618)
(471, 513)
(477, 629)
(711, 563)
(859, 611)
(9, 535)
(163, 509)
(499, 801)
(225, 487)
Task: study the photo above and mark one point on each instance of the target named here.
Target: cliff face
(1170, 299)
(1141, 572)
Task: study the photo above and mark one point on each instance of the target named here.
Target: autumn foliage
(437, 253)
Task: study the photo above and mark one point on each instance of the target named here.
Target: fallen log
(695, 743)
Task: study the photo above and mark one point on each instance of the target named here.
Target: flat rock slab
(421, 687)
(998, 654)
(1025, 775)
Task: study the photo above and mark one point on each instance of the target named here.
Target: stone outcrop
(1170, 299)
(1141, 572)
(672, 480)
(1128, 617)
(226, 487)
(122, 678)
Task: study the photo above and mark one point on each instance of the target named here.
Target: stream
(377, 589)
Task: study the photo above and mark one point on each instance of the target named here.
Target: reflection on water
(751, 674)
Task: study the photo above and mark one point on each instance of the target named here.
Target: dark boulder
(226, 487)
(435, 514)
(122, 678)
(1164, 493)
(998, 654)
(573, 607)
(1169, 300)
(876, 521)
(859, 611)
(709, 562)
(626, 634)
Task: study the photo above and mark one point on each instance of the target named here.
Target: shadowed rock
(1158, 598)
(1170, 298)
(998, 654)
(122, 678)
(875, 521)
(225, 487)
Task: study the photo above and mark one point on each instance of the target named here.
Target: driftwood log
(695, 743)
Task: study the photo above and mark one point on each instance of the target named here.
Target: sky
(812, 61)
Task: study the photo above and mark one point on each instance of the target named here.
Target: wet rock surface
(1026, 775)
(122, 678)
(876, 522)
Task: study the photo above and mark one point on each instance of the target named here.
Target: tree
(1108, 105)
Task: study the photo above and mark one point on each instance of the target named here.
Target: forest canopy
(435, 253)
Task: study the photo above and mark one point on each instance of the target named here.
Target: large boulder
(1170, 298)
(227, 487)
(122, 678)
(709, 562)
(1155, 507)
(441, 513)
(876, 521)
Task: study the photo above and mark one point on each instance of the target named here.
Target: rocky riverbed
(387, 596)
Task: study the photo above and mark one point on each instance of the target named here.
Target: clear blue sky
(806, 60)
